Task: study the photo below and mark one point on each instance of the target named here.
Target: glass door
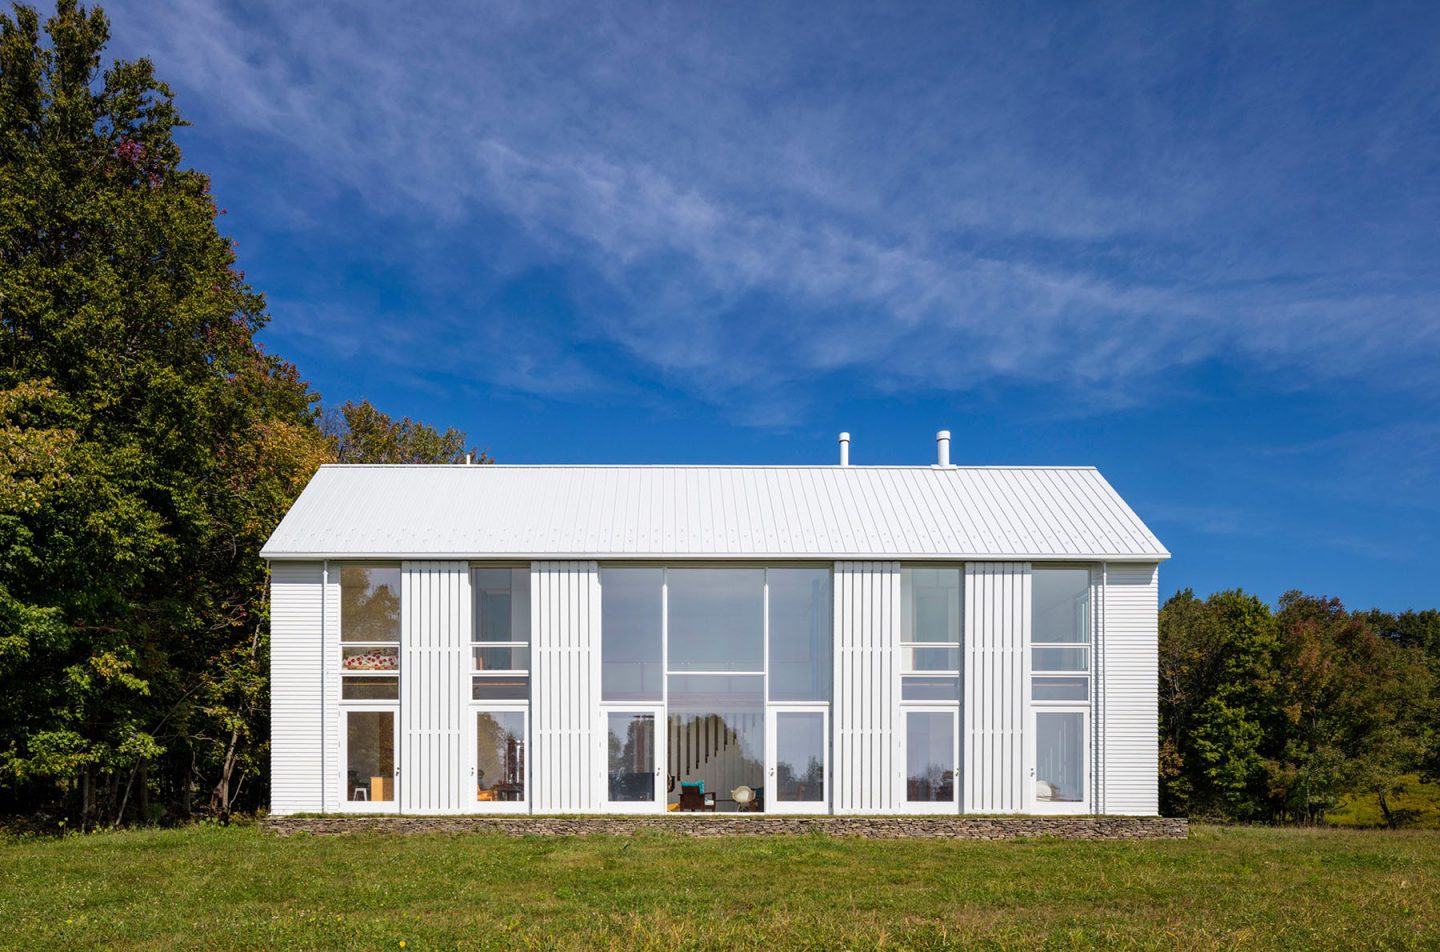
(1060, 760)
(499, 767)
(797, 746)
(932, 756)
(370, 765)
(634, 759)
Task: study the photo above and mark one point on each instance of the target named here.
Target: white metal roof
(711, 512)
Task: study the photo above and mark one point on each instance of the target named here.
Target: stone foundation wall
(870, 827)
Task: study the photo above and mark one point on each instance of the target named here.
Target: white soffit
(711, 512)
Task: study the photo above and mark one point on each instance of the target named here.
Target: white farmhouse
(799, 639)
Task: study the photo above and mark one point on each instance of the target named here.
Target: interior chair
(693, 798)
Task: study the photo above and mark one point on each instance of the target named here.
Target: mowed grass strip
(214, 888)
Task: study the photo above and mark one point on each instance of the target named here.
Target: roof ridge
(827, 467)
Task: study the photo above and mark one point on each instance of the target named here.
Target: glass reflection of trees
(369, 603)
(500, 754)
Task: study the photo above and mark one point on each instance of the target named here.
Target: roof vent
(844, 449)
(942, 448)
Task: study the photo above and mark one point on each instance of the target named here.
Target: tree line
(1275, 715)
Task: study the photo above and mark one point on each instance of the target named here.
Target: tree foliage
(1275, 715)
(362, 434)
(148, 446)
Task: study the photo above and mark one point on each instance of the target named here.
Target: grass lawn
(213, 888)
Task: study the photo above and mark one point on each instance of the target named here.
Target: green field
(1417, 805)
(208, 887)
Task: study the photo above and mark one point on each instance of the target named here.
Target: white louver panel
(435, 631)
(997, 632)
(867, 630)
(565, 687)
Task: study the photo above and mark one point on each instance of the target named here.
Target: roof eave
(284, 556)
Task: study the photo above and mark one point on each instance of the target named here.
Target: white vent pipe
(844, 449)
(942, 448)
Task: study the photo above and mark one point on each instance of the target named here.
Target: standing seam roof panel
(864, 513)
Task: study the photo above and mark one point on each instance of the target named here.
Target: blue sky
(1193, 245)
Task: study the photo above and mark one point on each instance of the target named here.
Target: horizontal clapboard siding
(867, 772)
(1129, 692)
(296, 644)
(997, 633)
(565, 692)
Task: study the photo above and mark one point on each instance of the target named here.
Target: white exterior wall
(567, 744)
(434, 634)
(334, 745)
(565, 768)
(296, 643)
(996, 681)
(868, 762)
(1127, 691)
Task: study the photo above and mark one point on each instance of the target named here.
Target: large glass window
(631, 649)
(370, 603)
(1059, 756)
(630, 766)
(931, 633)
(930, 605)
(500, 638)
(370, 756)
(500, 756)
(1060, 663)
(695, 641)
(930, 756)
(716, 619)
(717, 738)
(369, 632)
(801, 648)
(1060, 634)
(800, 746)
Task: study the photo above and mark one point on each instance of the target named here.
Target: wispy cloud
(749, 197)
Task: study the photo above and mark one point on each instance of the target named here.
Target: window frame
(955, 804)
(475, 674)
(1085, 708)
(471, 797)
(661, 706)
(344, 645)
(906, 647)
(345, 804)
(1087, 673)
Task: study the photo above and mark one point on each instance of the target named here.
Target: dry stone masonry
(869, 827)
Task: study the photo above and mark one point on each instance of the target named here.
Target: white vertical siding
(867, 762)
(1128, 696)
(296, 643)
(565, 686)
(997, 633)
(434, 631)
